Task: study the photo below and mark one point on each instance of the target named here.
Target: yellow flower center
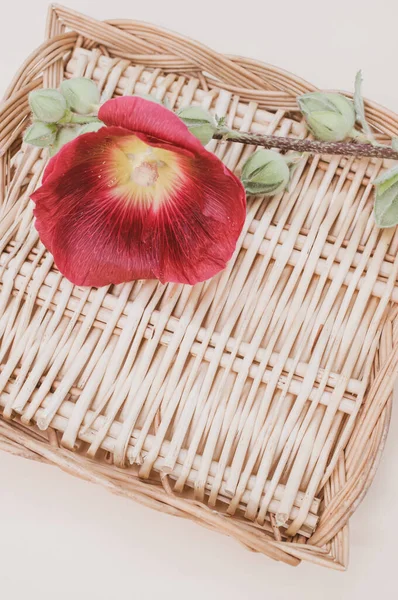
(144, 174)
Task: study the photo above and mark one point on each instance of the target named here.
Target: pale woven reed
(256, 404)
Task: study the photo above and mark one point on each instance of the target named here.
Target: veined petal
(149, 118)
(113, 208)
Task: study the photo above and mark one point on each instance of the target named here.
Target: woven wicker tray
(257, 403)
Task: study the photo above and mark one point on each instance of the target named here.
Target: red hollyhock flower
(138, 199)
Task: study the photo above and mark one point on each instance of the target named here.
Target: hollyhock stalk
(135, 195)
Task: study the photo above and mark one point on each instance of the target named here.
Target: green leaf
(386, 207)
(360, 107)
(386, 180)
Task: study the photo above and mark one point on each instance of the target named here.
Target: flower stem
(314, 147)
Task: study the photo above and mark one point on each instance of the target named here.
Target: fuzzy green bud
(330, 116)
(386, 201)
(199, 122)
(47, 105)
(41, 134)
(81, 94)
(265, 172)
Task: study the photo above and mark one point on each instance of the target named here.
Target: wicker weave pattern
(264, 393)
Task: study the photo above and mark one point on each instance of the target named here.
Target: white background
(61, 538)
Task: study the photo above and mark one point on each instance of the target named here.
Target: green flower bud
(47, 105)
(81, 93)
(330, 116)
(386, 202)
(199, 122)
(65, 135)
(41, 134)
(265, 172)
(91, 127)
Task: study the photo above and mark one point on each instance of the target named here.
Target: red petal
(98, 237)
(59, 168)
(149, 118)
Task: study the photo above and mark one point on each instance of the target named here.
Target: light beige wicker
(257, 403)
